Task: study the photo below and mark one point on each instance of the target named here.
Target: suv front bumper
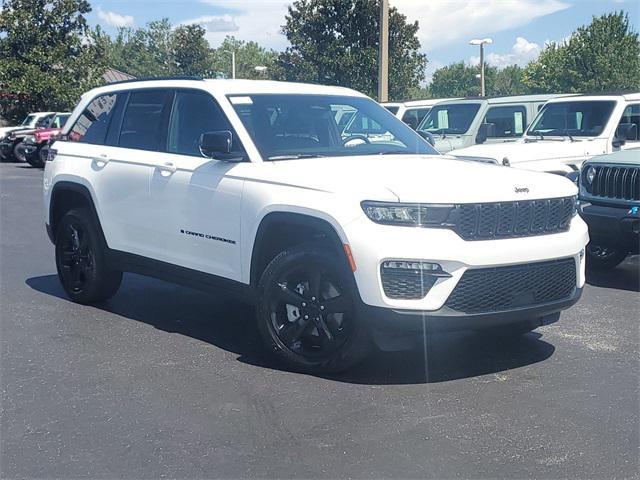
(373, 244)
(612, 226)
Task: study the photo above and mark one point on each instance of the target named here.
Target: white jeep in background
(567, 131)
(340, 240)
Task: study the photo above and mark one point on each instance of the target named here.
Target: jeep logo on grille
(522, 190)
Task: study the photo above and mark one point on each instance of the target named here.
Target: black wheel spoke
(324, 330)
(289, 296)
(315, 280)
(339, 304)
(292, 332)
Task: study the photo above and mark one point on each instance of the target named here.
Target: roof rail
(146, 79)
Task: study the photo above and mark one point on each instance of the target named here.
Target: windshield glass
(29, 120)
(59, 120)
(585, 118)
(304, 126)
(450, 118)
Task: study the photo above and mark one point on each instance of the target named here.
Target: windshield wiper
(296, 156)
(537, 133)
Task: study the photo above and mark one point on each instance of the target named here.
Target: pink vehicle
(35, 146)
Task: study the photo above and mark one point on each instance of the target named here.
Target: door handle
(167, 168)
(101, 160)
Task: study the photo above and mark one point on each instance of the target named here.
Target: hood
(446, 143)
(623, 157)
(6, 130)
(410, 178)
(521, 151)
(46, 133)
(22, 132)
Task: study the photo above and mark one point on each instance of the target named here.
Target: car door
(510, 122)
(630, 117)
(196, 200)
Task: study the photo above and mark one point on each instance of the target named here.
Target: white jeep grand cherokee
(341, 240)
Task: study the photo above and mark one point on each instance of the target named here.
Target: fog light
(408, 265)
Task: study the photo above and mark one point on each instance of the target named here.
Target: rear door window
(92, 125)
(510, 121)
(142, 120)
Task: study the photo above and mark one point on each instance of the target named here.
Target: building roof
(111, 75)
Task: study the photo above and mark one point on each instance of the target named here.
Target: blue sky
(519, 28)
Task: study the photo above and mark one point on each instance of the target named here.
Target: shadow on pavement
(625, 276)
(230, 326)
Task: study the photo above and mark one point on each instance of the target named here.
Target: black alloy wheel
(77, 260)
(604, 257)
(80, 259)
(307, 312)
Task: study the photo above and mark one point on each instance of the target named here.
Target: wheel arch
(280, 229)
(66, 195)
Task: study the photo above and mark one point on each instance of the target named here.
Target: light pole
(481, 42)
(233, 62)
(383, 53)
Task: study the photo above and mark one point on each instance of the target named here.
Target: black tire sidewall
(14, 152)
(355, 347)
(103, 281)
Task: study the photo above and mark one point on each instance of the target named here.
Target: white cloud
(257, 20)
(214, 24)
(444, 22)
(115, 19)
(522, 52)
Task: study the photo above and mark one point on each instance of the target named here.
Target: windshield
(304, 126)
(450, 118)
(29, 120)
(59, 120)
(585, 118)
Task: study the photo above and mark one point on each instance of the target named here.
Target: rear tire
(80, 259)
(40, 157)
(604, 257)
(306, 311)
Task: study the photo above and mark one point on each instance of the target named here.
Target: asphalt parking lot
(163, 381)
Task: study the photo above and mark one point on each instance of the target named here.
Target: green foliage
(49, 55)
(335, 42)
(604, 55)
(459, 80)
(248, 56)
(509, 81)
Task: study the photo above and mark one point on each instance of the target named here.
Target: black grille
(403, 284)
(487, 290)
(616, 182)
(485, 221)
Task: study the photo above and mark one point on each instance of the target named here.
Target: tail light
(51, 154)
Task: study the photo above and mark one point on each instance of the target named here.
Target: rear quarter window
(93, 123)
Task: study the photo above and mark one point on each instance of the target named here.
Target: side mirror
(428, 137)
(624, 132)
(212, 143)
(485, 131)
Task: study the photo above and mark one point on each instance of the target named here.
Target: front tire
(18, 152)
(604, 257)
(306, 311)
(38, 160)
(80, 259)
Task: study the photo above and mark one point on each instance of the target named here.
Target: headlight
(407, 214)
(29, 139)
(591, 174)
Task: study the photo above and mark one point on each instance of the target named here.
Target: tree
(604, 55)
(189, 51)
(335, 42)
(49, 55)
(459, 80)
(249, 55)
(509, 81)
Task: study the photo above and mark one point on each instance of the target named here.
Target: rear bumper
(612, 226)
